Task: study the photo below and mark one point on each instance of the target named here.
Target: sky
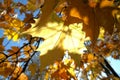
(11, 43)
(115, 64)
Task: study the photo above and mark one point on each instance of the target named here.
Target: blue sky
(11, 43)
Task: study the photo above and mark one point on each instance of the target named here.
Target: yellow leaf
(15, 23)
(11, 34)
(90, 57)
(32, 67)
(59, 37)
(72, 72)
(33, 5)
(23, 76)
(101, 34)
(15, 38)
(47, 10)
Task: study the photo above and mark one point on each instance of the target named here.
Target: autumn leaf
(92, 17)
(12, 22)
(11, 26)
(23, 76)
(59, 37)
(14, 52)
(28, 50)
(2, 48)
(29, 18)
(2, 57)
(11, 34)
(6, 68)
(47, 10)
(15, 23)
(69, 38)
(7, 3)
(18, 71)
(32, 67)
(33, 4)
(90, 57)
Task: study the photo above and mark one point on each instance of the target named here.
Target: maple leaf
(93, 17)
(47, 9)
(58, 38)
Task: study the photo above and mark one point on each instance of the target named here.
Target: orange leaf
(2, 48)
(92, 17)
(32, 68)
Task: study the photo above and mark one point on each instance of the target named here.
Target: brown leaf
(32, 67)
(50, 57)
(15, 49)
(7, 3)
(2, 57)
(92, 17)
(23, 76)
(47, 9)
(6, 68)
(28, 50)
(29, 18)
(14, 52)
(2, 48)
(1, 41)
(27, 26)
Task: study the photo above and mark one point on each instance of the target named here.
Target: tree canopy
(59, 39)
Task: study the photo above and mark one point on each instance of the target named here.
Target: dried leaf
(29, 18)
(2, 48)
(1, 41)
(32, 68)
(14, 51)
(6, 69)
(2, 56)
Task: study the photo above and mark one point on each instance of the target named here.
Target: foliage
(76, 36)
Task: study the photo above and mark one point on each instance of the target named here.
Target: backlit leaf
(47, 10)
(59, 37)
(11, 35)
(92, 18)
